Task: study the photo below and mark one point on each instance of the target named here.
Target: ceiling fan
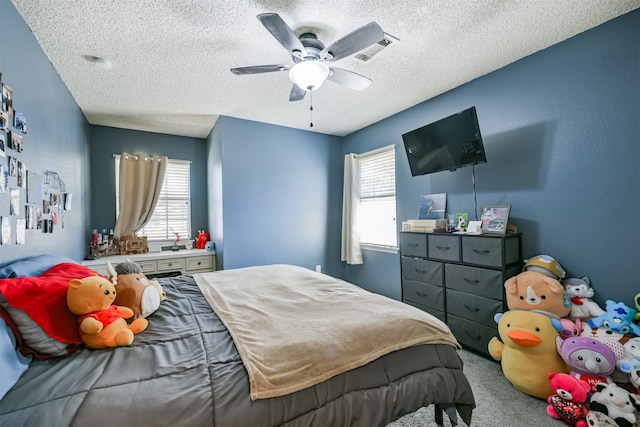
(311, 59)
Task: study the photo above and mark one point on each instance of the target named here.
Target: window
(173, 211)
(377, 210)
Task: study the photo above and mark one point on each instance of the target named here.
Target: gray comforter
(184, 370)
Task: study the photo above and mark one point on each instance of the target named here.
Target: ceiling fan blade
(349, 79)
(353, 42)
(281, 31)
(257, 69)
(297, 94)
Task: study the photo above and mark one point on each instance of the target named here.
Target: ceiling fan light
(309, 75)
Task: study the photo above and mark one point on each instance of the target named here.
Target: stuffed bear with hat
(538, 288)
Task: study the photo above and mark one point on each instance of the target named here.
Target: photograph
(6, 230)
(432, 206)
(495, 219)
(34, 188)
(20, 122)
(13, 166)
(3, 144)
(4, 178)
(4, 121)
(20, 231)
(462, 220)
(14, 199)
(67, 201)
(16, 142)
(22, 174)
(7, 99)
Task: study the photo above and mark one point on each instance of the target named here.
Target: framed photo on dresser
(494, 219)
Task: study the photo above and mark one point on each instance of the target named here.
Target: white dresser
(186, 261)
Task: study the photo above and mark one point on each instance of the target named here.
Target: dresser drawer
(413, 244)
(444, 247)
(475, 280)
(423, 270)
(435, 313)
(147, 266)
(473, 307)
(171, 264)
(482, 251)
(472, 334)
(423, 294)
(200, 263)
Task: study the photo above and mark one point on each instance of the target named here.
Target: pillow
(12, 363)
(38, 305)
(31, 266)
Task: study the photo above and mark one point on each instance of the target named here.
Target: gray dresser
(460, 279)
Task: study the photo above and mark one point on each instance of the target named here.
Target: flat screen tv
(448, 144)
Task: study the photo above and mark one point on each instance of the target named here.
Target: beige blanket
(295, 328)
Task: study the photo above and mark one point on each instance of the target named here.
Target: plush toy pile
(557, 344)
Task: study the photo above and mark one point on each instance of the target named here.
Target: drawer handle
(472, 309)
(443, 248)
(170, 264)
(413, 245)
(481, 252)
(199, 262)
(475, 337)
(471, 281)
(420, 271)
(420, 294)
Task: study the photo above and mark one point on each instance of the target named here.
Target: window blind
(377, 213)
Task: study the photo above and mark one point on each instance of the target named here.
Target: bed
(186, 368)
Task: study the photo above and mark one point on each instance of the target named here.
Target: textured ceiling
(171, 59)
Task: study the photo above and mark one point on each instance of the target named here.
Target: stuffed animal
(546, 265)
(101, 324)
(618, 318)
(615, 402)
(598, 419)
(631, 360)
(202, 239)
(527, 350)
(133, 289)
(580, 292)
(634, 378)
(531, 290)
(570, 328)
(568, 402)
(590, 360)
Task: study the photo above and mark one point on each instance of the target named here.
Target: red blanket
(44, 299)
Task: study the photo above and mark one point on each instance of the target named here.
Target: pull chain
(311, 107)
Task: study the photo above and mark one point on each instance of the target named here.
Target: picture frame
(495, 219)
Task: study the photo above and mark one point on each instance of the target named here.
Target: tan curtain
(141, 179)
(351, 249)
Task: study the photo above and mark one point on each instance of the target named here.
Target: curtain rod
(172, 160)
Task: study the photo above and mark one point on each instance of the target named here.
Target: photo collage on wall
(28, 200)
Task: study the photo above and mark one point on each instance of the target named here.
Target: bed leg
(438, 415)
(451, 413)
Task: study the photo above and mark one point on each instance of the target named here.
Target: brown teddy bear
(134, 290)
(531, 290)
(102, 324)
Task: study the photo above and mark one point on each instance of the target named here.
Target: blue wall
(280, 195)
(561, 131)
(562, 136)
(56, 139)
(107, 141)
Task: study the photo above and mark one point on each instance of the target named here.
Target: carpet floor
(498, 403)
